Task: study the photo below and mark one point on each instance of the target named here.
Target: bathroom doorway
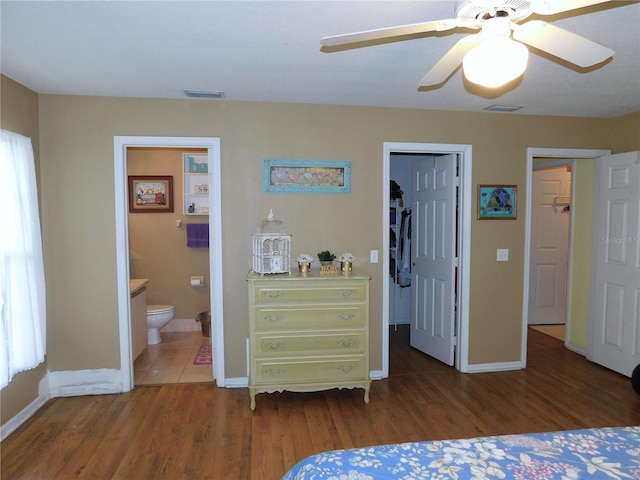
(213, 264)
(160, 254)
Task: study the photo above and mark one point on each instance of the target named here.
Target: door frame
(121, 143)
(562, 155)
(464, 239)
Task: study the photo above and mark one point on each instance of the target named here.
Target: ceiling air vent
(204, 93)
(503, 108)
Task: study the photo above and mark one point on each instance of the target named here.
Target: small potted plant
(304, 262)
(346, 262)
(326, 257)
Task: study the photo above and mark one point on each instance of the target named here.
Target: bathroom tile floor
(171, 361)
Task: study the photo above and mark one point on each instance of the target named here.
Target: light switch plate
(502, 255)
(373, 256)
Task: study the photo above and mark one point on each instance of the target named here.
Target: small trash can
(205, 320)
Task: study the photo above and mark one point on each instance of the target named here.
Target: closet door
(433, 257)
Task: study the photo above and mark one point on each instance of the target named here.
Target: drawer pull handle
(347, 293)
(274, 319)
(346, 368)
(346, 316)
(271, 371)
(277, 294)
(274, 346)
(345, 343)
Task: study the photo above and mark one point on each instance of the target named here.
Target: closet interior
(400, 243)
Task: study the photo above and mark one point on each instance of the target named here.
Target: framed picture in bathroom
(150, 194)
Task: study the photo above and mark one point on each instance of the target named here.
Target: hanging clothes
(404, 267)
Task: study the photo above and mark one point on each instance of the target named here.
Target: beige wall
(78, 196)
(83, 311)
(19, 114)
(580, 274)
(624, 133)
(157, 250)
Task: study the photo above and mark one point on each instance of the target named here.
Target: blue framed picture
(497, 202)
(306, 176)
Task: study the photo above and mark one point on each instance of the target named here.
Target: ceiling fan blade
(561, 43)
(389, 32)
(551, 7)
(450, 61)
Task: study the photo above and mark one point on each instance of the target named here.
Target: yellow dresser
(308, 332)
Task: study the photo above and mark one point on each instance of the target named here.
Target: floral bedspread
(603, 453)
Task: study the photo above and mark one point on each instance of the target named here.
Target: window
(22, 287)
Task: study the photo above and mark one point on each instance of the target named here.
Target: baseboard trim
(182, 325)
(25, 414)
(576, 348)
(75, 383)
(237, 382)
(494, 367)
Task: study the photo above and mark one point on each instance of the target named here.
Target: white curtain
(22, 287)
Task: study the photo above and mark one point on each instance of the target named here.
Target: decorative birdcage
(271, 246)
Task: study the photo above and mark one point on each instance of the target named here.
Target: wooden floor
(199, 431)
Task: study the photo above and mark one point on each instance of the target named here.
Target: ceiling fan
(497, 54)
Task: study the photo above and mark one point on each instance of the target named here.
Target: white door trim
(554, 153)
(465, 152)
(120, 144)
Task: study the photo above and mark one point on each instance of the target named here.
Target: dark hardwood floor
(199, 431)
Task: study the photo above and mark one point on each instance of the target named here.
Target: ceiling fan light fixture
(496, 61)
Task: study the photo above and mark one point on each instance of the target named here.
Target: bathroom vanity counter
(138, 306)
(137, 284)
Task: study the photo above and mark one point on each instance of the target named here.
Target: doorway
(579, 249)
(159, 253)
(121, 144)
(411, 152)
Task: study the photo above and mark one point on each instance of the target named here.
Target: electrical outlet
(373, 256)
(502, 255)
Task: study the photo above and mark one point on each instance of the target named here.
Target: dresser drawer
(308, 332)
(313, 292)
(316, 318)
(310, 370)
(312, 344)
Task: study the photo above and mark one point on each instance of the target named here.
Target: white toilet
(157, 317)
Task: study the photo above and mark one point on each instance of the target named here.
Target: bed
(604, 453)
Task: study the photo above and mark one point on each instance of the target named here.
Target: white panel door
(549, 247)
(433, 257)
(615, 309)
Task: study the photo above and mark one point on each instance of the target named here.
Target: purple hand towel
(198, 235)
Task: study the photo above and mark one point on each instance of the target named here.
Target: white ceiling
(270, 51)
